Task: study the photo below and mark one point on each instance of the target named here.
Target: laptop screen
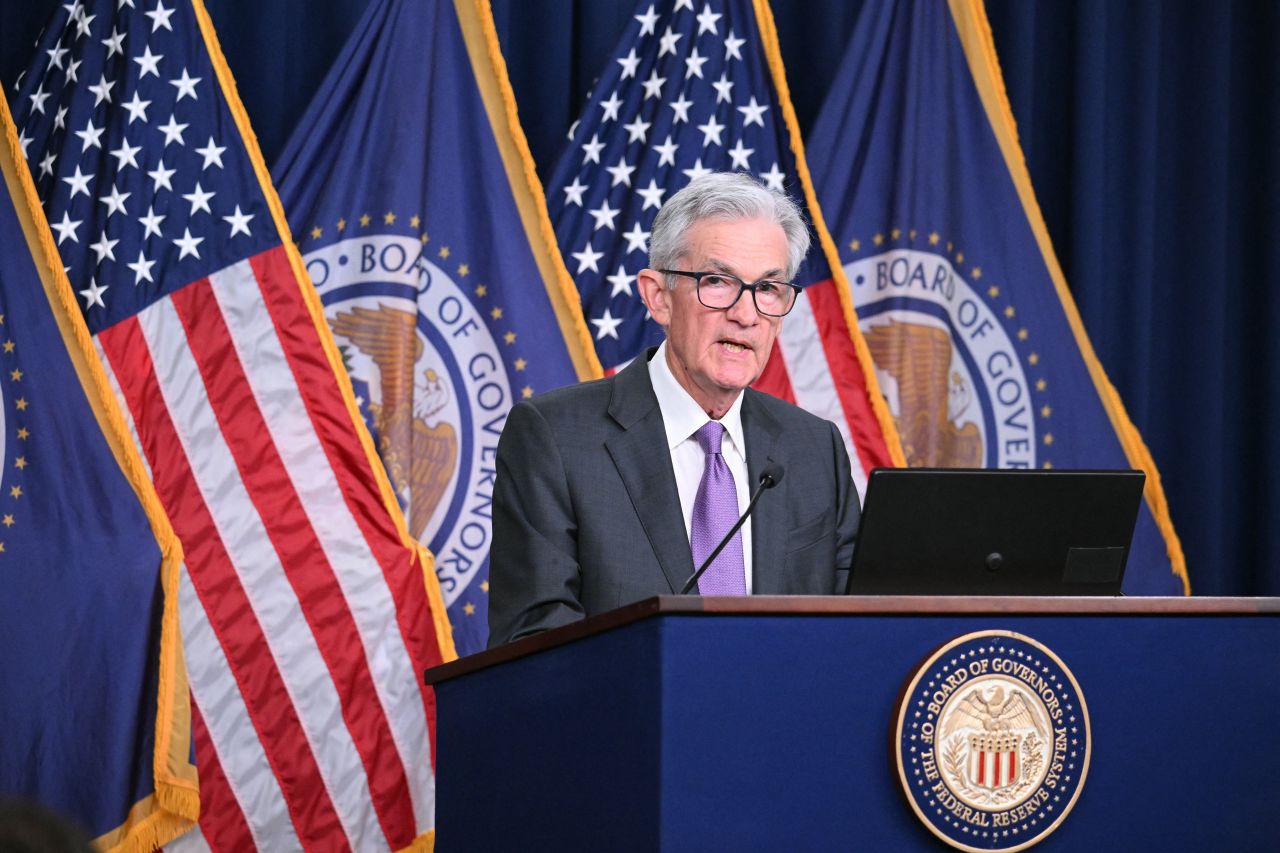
(952, 531)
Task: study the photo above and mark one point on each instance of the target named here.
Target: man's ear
(656, 295)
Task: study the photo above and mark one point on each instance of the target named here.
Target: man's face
(715, 353)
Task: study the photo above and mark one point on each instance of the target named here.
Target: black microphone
(769, 477)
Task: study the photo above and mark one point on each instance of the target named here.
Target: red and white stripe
(305, 618)
(993, 769)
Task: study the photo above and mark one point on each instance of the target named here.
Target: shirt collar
(681, 414)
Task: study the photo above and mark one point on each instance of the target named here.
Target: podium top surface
(825, 605)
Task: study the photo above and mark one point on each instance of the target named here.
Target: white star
(681, 106)
(38, 97)
(55, 55)
(652, 196)
(591, 150)
(653, 86)
(79, 182)
(82, 24)
(212, 154)
(199, 200)
(707, 21)
(73, 69)
(739, 153)
(141, 269)
(724, 88)
(697, 171)
(104, 248)
(668, 42)
(151, 222)
(126, 154)
(173, 131)
(693, 64)
(115, 202)
(186, 85)
(46, 165)
(711, 132)
(621, 172)
(122, 3)
(607, 326)
(610, 107)
(239, 222)
(25, 141)
(621, 282)
(732, 47)
(636, 238)
(93, 295)
(66, 228)
(60, 118)
(648, 21)
(753, 113)
(629, 64)
(587, 259)
(683, 4)
(137, 108)
(161, 175)
(774, 178)
(160, 18)
(149, 62)
(91, 136)
(667, 152)
(604, 216)
(637, 130)
(573, 192)
(115, 44)
(102, 91)
(188, 244)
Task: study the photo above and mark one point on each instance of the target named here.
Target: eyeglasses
(721, 290)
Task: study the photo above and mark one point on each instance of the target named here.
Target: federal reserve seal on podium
(993, 741)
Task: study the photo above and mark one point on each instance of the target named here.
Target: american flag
(688, 91)
(308, 613)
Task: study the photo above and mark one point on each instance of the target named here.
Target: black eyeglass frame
(742, 286)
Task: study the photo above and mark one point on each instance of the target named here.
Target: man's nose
(744, 311)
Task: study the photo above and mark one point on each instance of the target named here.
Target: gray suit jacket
(586, 516)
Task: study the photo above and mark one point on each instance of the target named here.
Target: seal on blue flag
(946, 360)
(431, 383)
(993, 741)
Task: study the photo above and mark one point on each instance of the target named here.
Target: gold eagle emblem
(918, 357)
(994, 712)
(419, 458)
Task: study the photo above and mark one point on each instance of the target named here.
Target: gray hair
(725, 196)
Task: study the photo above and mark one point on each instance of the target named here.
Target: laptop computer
(956, 531)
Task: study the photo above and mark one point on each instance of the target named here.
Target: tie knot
(709, 436)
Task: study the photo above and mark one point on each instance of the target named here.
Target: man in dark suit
(613, 491)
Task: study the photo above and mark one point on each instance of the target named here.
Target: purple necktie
(715, 510)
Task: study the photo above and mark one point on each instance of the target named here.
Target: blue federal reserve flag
(409, 188)
(94, 715)
(976, 340)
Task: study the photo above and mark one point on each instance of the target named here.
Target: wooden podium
(688, 723)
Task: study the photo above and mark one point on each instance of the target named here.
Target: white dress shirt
(682, 417)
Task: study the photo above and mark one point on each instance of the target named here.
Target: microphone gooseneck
(769, 477)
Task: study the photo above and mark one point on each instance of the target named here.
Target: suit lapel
(643, 461)
(769, 521)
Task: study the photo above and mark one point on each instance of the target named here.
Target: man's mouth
(734, 346)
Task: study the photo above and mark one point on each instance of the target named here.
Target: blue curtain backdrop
(1152, 131)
